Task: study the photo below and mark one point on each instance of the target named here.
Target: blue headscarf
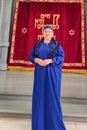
(48, 26)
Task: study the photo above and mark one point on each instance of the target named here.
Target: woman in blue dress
(48, 56)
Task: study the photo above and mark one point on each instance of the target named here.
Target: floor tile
(81, 126)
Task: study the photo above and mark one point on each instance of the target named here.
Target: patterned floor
(25, 124)
(15, 97)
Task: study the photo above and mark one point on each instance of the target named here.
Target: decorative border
(82, 32)
(63, 70)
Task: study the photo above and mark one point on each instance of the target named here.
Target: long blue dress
(46, 105)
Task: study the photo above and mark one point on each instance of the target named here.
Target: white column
(5, 18)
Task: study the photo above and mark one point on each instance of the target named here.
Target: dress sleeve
(32, 56)
(59, 57)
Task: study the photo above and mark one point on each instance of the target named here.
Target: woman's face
(47, 34)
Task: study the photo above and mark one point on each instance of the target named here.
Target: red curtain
(68, 21)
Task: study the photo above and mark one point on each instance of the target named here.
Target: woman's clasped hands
(42, 62)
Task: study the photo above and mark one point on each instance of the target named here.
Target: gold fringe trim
(75, 71)
(16, 68)
(20, 68)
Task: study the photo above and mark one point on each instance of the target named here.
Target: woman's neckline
(46, 42)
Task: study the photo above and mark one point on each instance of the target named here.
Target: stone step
(19, 105)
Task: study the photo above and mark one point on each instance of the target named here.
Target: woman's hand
(40, 62)
(43, 62)
(48, 61)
